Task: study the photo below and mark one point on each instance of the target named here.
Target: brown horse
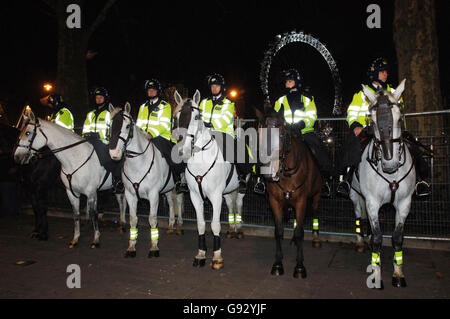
(294, 179)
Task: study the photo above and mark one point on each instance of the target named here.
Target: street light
(48, 87)
(233, 93)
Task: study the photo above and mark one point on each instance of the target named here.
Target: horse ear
(197, 97)
(32, 117)
(399, 90)
(370, 95)
(111, 108)
(127, 107)
(178, 97)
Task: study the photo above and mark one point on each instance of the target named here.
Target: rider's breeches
(320, 153)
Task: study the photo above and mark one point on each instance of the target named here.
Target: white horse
(145, 174)
(386, 175)
(81, 172)
(206, 173)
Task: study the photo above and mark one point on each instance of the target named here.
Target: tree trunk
(71, 81)
(416, 44)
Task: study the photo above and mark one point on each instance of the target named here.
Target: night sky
(181, 42)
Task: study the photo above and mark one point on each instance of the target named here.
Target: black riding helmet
(293, 74)
(56, 101)
(102, 92)
(218, 80)
(153, 84)
(378, 65)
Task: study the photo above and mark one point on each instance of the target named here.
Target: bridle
(41, 154)
(133, 154)
(374, 157)
(286, 138)
(199, 178)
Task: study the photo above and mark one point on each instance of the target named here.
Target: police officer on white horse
(155, 118)
(96, 129)
(357, 113)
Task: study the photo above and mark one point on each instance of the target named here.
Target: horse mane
(61, 129)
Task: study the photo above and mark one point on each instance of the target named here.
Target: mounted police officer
(218, 114)
(301, 112)
(61, 114)
(154, 118)
(96, 130)
(356, 118)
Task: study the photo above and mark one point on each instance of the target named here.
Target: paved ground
(334, 271)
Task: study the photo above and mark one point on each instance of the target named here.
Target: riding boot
(180, 183)
(260, 187)
(345, 182)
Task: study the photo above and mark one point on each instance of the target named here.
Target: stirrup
(325, 191)
(427, 192)
(259, 188)
(342, 190)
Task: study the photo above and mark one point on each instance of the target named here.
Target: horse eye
(197, 117)
(27, 133)
(128, 126)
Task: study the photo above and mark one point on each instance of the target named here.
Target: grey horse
(385, 175)
(81, 172)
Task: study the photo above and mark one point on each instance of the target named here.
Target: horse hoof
(170, 231)
(153, 253)
(122, 229)
(72, 245)
(300, 272)
(316, 244)
(277, 270)
(130, 253)
(34, 235)
(217, 264)
(199, 262)
(398, 282)
(180, 232)
(94, 245)
(239, 235)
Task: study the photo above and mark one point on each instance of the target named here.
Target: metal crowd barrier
(429, 218)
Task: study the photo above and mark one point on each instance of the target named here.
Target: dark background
(182, 42)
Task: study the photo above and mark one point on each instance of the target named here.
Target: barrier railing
(429, 218)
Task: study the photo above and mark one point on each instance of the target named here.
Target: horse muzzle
(116, 154)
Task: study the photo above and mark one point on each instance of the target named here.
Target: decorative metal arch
(293, 37)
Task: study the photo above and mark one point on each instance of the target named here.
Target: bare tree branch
(101, 17)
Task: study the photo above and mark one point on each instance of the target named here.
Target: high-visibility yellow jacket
(308, 115)
(63, 118)
(221, 116)
(98, 123)
(155, 119)
(358, 109)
